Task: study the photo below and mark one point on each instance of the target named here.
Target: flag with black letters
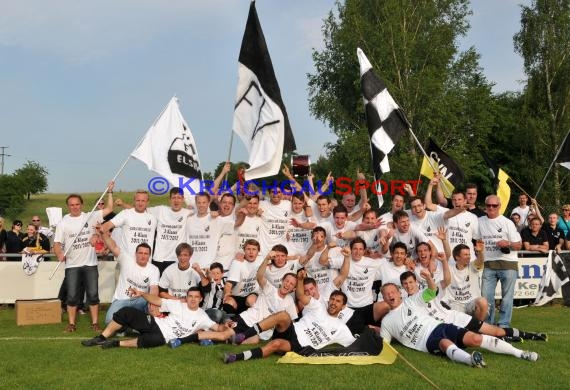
(385, 120)
(260, 118)
(441, 162)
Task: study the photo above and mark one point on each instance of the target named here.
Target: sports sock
(255, 353)
(252, 331)
(193, 338)
(496, 345)
(458, 355)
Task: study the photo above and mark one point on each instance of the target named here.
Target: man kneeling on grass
(185, 318)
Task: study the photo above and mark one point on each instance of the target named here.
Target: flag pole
(230, 151)
(105, 192)
(425, 155)
(552, 164)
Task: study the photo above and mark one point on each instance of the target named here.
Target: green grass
(28, 361)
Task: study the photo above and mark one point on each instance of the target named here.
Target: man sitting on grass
(185, 318)
(409, 322)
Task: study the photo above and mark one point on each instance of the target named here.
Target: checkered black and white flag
(385, 119)
(554, 279)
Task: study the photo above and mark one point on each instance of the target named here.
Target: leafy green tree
(32, 178)
(11, 196)
(412, 45)
(544, 44)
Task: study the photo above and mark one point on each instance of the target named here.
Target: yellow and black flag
(451, 173)
(500, 184)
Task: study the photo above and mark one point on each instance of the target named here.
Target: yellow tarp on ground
(387, 356)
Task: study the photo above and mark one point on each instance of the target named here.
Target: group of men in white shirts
(257, 252)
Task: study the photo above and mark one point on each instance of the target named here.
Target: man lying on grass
(410, 323)
(185, 318)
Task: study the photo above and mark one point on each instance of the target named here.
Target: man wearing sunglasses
(501, 239)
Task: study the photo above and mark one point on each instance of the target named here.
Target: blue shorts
(445, 331)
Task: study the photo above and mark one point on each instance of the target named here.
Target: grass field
(44, 356)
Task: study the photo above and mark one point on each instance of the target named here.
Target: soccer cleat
(237, 338)
(175, 343)
(477, 360)
(206, 342)
(110, 344)
(97, 340)
(229, 358)
(539, 336)
(530, 356)
(512, 339)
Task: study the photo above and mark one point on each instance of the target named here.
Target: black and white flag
(260, 118)
(169, 149)
(385, 119)
(554, 279)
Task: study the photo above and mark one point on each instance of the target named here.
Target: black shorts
(365, 314)
(291, 336)
(241, 326)
(445, 331)
(241, 305)
(150, 333)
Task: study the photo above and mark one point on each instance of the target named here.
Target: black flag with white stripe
(260, 118)
(385, 119)
(564, 155)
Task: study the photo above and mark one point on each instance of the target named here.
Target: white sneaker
(530, 356)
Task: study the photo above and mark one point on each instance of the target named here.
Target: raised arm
(260, 276)
(110, 243)
(344, 269)
(300, 289)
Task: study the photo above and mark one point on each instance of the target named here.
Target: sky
(82, 81)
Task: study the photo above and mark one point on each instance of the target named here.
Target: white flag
(169, 149)
(260, 118)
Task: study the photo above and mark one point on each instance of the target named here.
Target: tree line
(30, 179)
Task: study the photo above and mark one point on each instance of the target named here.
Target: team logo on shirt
(467, 278)
(333, 332)
(146, 279)
(428, 229)
(409, 312)
(500, 230)
(257, 229)
(194, 323)
(286, 213)
(292, 267)
(86, 225)
(207, 228)
(467, 224)
(366, 270)
(149, 222)
(190, 283)
(180, 219)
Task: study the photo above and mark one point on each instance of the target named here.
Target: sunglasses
(35, 220)
(101, 203)
(493, 206)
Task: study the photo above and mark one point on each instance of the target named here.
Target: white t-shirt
(299, 239)
(81, 252)
(495, 230)
(428, 226)
(181, 321)
(358, 284)
(203, 234)
(332, 231)
(250, 229)
(133, 275)
(464, 288)
(523, 213)
(412, 238)
(244, 274)
(323, 275)
(136, 228)
(409, 323)
(227, 242)
(317, 328)
(371, 239)
(178, 281)
(269, 302)
(275, 219)
(170, 231)
(274, 274)
(388, 272)
(462, 229)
